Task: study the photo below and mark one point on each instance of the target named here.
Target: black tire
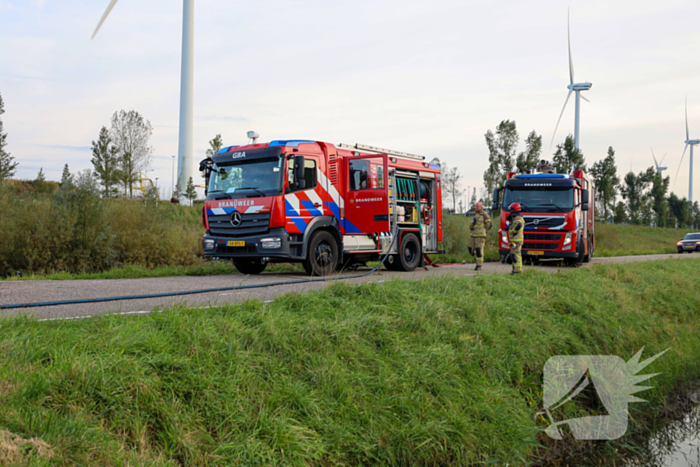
(587, 257)
(251, 266)
(322, 255)
(409, 253)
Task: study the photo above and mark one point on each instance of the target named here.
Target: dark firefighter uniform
(481, 223)
(515, 232)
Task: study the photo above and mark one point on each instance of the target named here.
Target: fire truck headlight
(271, 243)
(208, 244)
(504, 237)
(567, 241)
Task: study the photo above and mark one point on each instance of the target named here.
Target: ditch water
(674, 445)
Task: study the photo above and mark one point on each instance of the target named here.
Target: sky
(427, 78)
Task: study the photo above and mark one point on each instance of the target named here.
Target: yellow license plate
(236, 243)
(535, 253)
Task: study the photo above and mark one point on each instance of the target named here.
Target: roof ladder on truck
(375, 150)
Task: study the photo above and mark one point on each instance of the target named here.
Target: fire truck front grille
(546, 237)
(251, 224)
(544, 221)
(539, 246)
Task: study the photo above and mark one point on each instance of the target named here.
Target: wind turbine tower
(573, 87)
(185, 161)
(659, 169)
(691, 143)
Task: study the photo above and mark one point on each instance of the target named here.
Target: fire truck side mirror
(495, 198)
(584, 196)
(299, 181)
(584, 207)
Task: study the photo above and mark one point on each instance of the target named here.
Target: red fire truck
(558, 210)
(325, 206)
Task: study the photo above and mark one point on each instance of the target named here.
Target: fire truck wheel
(409, 253)
(322, 255)
(249, 265)
(587, 257)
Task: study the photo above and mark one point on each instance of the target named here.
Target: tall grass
(438, 372)
(76, 231)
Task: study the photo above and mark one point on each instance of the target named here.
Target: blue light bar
(530, 176)
(290, 142)
(223, 150)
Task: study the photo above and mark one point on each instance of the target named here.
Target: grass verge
(438, 372)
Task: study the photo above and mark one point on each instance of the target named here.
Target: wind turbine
(572, 87)
(691, 143)
(659, 169)
(185, 163)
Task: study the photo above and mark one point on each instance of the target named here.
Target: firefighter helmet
(515, 207)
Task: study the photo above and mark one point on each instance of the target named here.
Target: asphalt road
(45, 291)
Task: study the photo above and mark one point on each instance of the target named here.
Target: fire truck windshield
(244, 179)
(540, 199)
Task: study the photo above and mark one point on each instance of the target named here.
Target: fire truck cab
(559, 213)
(325, 206)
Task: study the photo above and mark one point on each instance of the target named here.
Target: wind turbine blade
(655, 163)
(571, 62)
(584, 98)
(560, 115)
(679, 165)
(662, 159)
(104, 17)
(687, 133)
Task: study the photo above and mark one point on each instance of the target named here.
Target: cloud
(64, 147)
(225, 119)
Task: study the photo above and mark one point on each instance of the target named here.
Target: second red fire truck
(323, 205)
(558, 210)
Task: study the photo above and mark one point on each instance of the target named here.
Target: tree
(451, 179)
(105, 160)
(659, 205)
(8, 166)
(473, 201)
(502, 146)
(568, 158)
(130, 134)
(604, 173)
(66, 178)
(680, 207)
(634, 191)
(528, 159)
(214, 145)
(620, 213)
(87, 182)
(40, 177)
(190, 192)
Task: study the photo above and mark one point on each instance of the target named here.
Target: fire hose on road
(199, 291)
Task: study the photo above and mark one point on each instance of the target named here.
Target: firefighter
(515, 231)
(481, 223)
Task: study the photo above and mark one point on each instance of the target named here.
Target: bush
(76, 231)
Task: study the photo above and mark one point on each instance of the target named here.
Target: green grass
(436, 372)
(630, 240)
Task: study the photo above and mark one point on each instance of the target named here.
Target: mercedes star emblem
(236, 219)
